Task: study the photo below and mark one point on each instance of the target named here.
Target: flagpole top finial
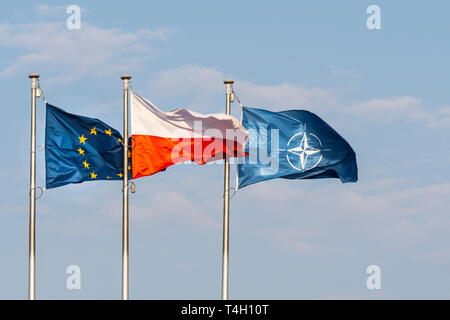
(33, 75)
(228, 81)
(125, 77)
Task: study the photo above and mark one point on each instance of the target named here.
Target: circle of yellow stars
(81, 151)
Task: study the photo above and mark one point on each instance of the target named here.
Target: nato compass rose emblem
(300, 152)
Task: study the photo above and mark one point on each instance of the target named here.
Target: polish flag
(161, 139)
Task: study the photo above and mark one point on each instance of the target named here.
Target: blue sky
(385, 91)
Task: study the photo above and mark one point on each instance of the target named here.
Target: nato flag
(80, 149)
(293, 144)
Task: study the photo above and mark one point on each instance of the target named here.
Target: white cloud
(207, 83)
(287, 96)
(442, 118)
(343, 74)
(302, 242)
(170, 205)
(388, 110)
(198, 87)
(71, 54)
(44, 9)
(433, 256)
(189, 79)
(329, 219)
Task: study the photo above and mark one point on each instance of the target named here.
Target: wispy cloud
(405, 219)
(303, 243)
(206, 84)
(47, 10)
(189, 79)
(172, 205)
(287, 95)
(394, 109)
(71, 54)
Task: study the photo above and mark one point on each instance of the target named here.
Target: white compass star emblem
(304, 154)
(303, 151)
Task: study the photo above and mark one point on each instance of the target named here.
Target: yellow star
(108, 132)
(129, 167)
(119, 140)
(120, 175)
(93, 131)
(82, 139)
(93, 175)
(107, 177)
(81, 151)
(86, 165)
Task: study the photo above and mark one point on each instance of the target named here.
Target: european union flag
(80, 149)
(293, 144)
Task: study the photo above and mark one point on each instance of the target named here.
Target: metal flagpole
(32, 238)
(226, 204)
(126, 79)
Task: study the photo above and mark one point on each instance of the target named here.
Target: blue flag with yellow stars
(293, 144)
(79, 148)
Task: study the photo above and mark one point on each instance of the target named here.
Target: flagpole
(226, 204)
(32, 227)
(126, 79)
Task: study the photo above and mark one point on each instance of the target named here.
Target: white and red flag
(161, 139)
